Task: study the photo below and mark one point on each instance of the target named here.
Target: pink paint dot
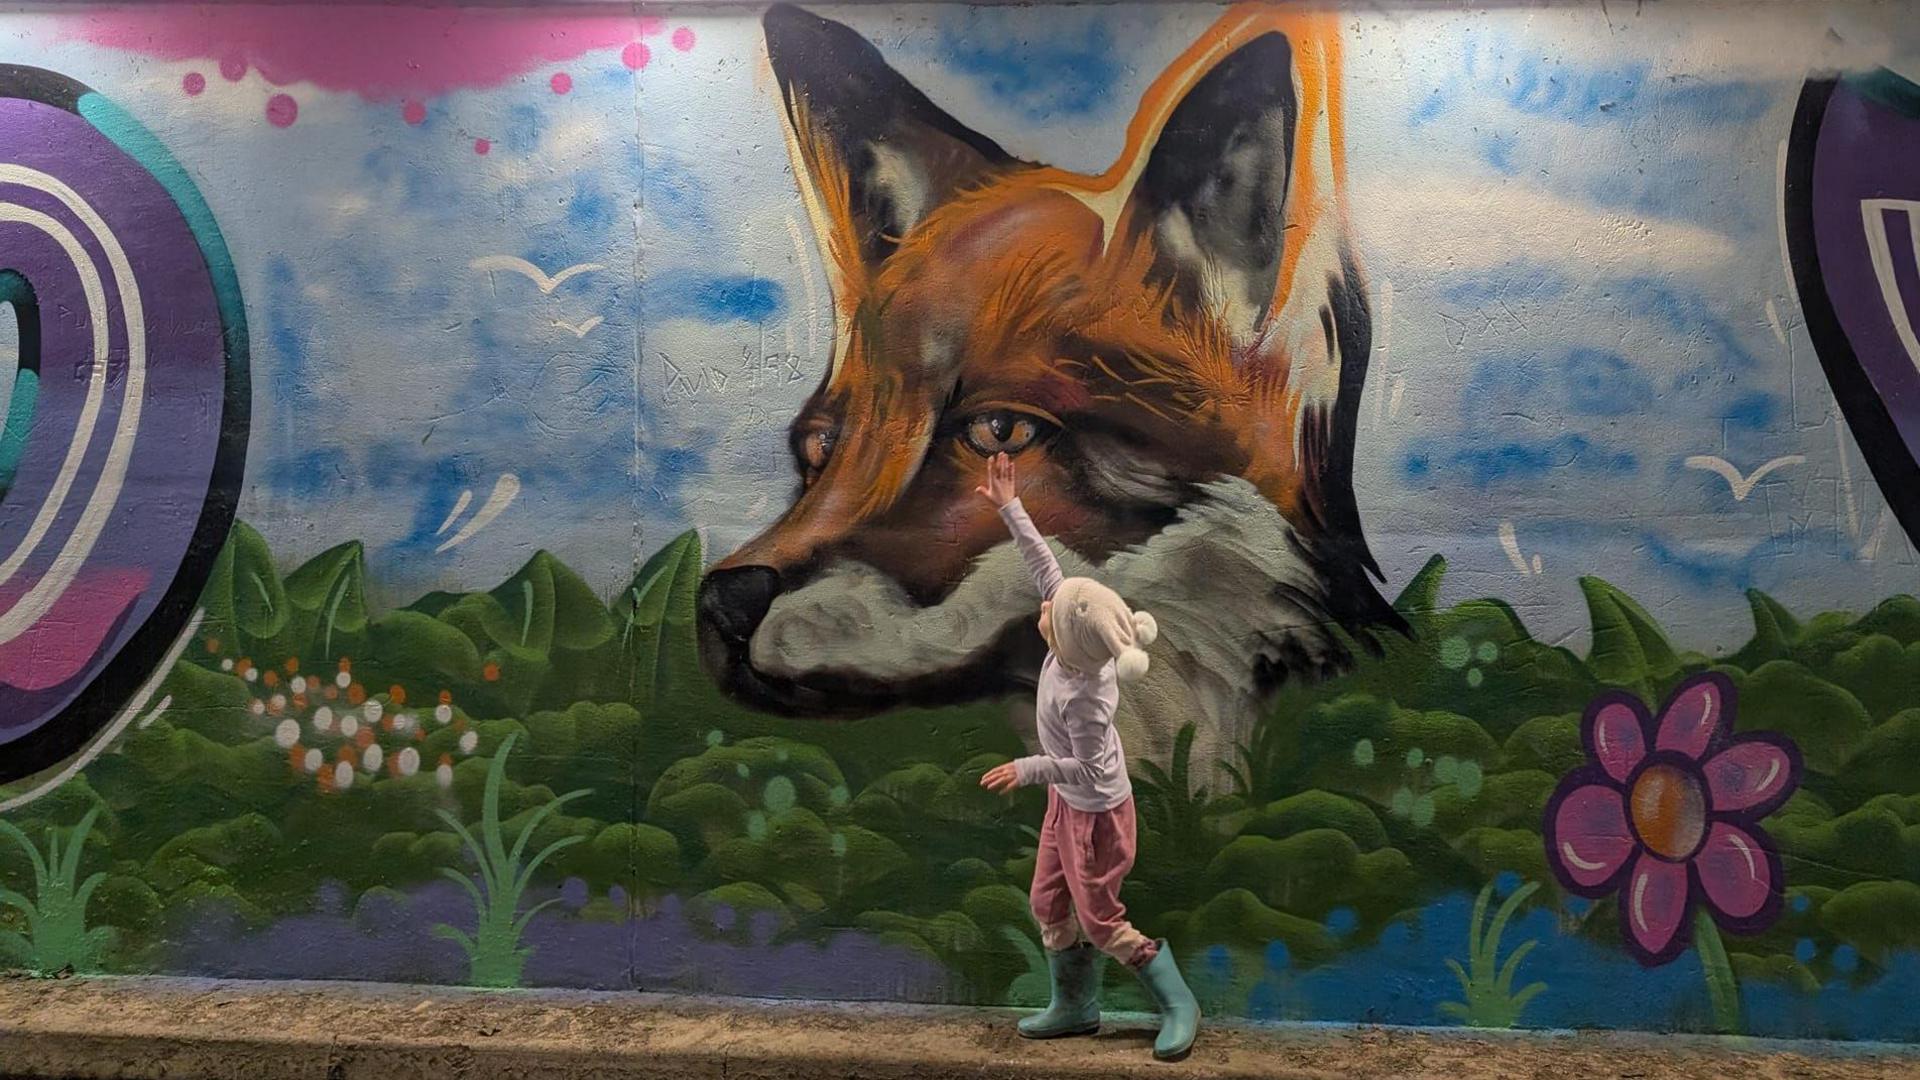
(683, 38)
(635, 56)
(233, 68)
(561, 82)
(194, 83)
(482, 146)
(652, 24)
(413, 112)
(282, 110)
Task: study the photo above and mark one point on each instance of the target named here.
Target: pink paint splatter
(683, 39)
(483, 147)
(282, 111)
(194, 83)
(383, 52)
(233, 67)
(414, 112)
(652, 24)
(636, 56)
(561, 82)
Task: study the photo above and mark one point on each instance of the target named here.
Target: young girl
(1094, 643)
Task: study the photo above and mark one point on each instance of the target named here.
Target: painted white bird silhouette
(531, 272)
(579, 330)
(1742, 485)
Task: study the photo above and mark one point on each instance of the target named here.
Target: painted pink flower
(1666, 813)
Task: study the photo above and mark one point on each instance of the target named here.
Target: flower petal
(1654, 904)
(1755, 774)
(1589, 841)
(1616, 734)
(1738, 872)
(1695, 714)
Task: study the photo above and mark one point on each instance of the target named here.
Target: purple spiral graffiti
(119, 493)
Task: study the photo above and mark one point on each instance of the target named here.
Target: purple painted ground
(386, 936)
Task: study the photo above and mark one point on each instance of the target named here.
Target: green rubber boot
(1075, 1009)
(1179, 1012)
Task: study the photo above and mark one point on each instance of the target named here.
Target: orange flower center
(1669, 811)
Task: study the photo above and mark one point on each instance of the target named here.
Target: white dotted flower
(343, 776)
(469, 742)
(343, 680)
(349, 725)
(371, 759)
(313, 760)
(299, 684)
(443, 714)
(226, 663)
(407, 761)
(287, 734)
(257, 707)
(403, 723)
(277, 702)
(444, 774)
(323, 719)
(374, 710)
(253, 674)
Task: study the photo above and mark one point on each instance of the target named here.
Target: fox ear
(874, 156)
(1213, 190)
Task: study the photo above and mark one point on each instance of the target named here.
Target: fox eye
(812, 449)
(1001, 432)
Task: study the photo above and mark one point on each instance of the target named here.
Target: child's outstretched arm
(1000, 491)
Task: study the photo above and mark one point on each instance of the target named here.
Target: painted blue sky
(1569, 220)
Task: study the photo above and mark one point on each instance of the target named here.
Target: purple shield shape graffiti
(1853, 240)
(126, 420)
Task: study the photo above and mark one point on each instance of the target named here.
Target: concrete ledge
(179, 1028)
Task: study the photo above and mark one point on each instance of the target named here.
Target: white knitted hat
(1092, 625)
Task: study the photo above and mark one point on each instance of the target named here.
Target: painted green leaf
(244, 590)
(1422, 593)
(1629, 648)
(544, 606)
(329, 591)
(417, 646)
(655, 615)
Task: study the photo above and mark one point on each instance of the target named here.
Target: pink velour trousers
(1082, 861)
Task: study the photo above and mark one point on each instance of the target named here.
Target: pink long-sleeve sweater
(1081, 754)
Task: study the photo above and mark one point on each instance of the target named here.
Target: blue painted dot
(1219, 962)
(1805, 950)
(1396, 935)
(1579, 905)
(1341, 921)
(1802, 902)
(1278, 958)
(1845, 959)
(1506, 882)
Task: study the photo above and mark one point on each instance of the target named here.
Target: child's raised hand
(1001, 779)
(999, 488)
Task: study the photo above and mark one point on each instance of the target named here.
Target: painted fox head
(1168, 350)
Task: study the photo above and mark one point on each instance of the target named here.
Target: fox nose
(732, 602)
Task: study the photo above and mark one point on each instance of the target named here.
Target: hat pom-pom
(1130, 665)
(1145, 629)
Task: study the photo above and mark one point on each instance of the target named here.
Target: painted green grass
(1486, 983)
(57, 938)
(493, 951)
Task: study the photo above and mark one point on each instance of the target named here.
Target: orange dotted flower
(297, 758)
(213, 644)
(363, 738)
(299, 701)
(446, 697)
(356, 694)
(332, 693)
(397, 694)
(292, 665)
(419, 734)
(491, 672)
(346, 664)
(271, 678)
(242, 666)
(345, 753)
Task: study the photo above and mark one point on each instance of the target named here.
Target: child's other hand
(1001, 779)
(999, 488)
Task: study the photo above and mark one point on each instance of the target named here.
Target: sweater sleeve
(1087, 720)
(1033, 549)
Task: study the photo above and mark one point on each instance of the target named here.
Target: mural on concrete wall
(595, 598)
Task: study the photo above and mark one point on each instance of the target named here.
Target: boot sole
(1090, 1029)
(1179, 1055)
